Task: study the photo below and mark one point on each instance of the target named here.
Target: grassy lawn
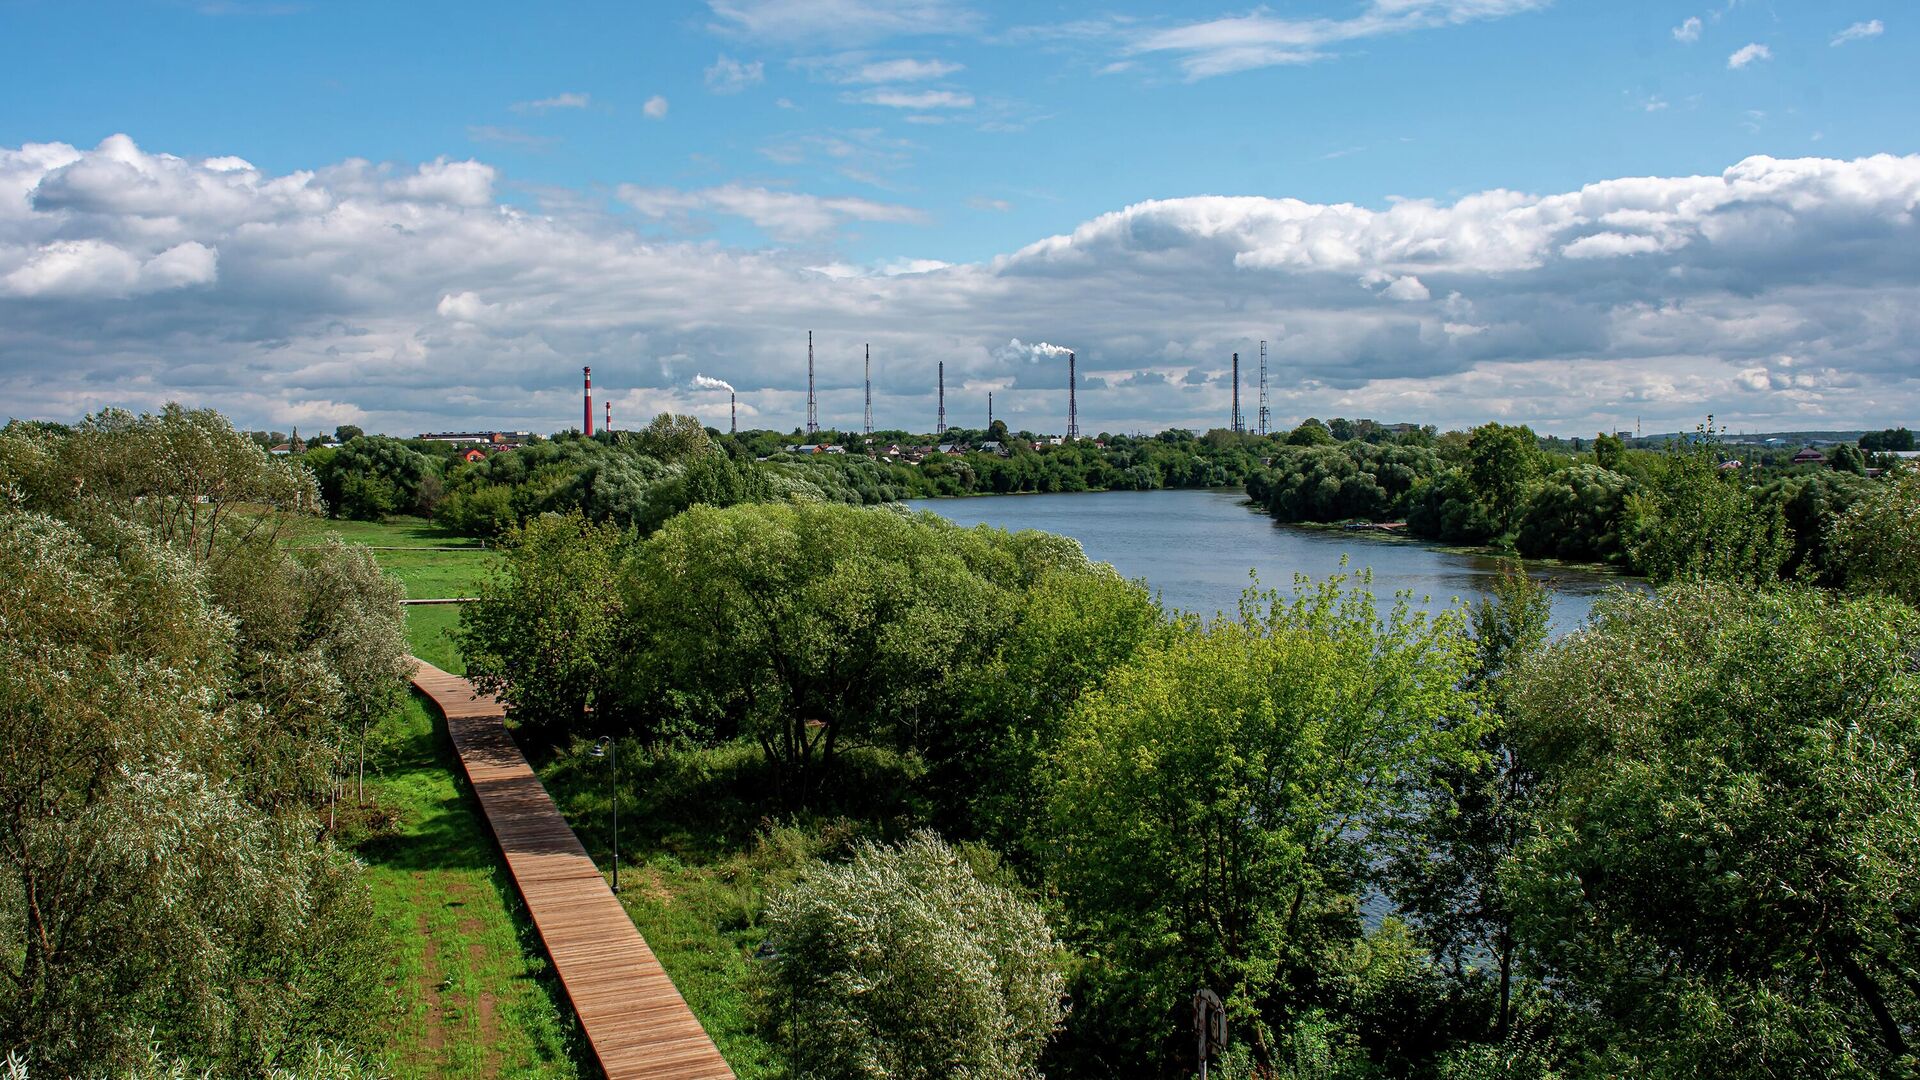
(475, 996)
(428, 573)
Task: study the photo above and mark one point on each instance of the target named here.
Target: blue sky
(838, 142)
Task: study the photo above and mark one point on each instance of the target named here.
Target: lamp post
(609, 749)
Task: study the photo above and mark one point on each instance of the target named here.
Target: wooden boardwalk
(636, 1022)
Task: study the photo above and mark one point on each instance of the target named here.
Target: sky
(1575, 214)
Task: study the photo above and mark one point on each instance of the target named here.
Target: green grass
(427, 634)
(427, 573)
(475, 996)
(703, 846)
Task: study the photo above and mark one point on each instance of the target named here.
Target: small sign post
(1209, 1027)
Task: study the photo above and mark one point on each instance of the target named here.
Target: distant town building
(501, 439)
(1809, 456)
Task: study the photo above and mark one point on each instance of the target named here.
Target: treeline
(1679, 842)
(183, 699)
(1694, 507)
(640, 479)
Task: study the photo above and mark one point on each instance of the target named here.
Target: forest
(906, 799)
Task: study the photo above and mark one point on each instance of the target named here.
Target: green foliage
(1609, 451)
(149, 889)
(1876, 542)
(905, 963)
(1500, 461)
(807, 624)
(1210, 802)
(1337, 483)
(1698, 520)
(1729, 828)
(1577, 513)
(1890, 439)
(1446, 508)
(1811, 504)
(544, 632)
(370, 477)
(1311, 432)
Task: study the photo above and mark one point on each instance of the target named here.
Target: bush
(904, 963)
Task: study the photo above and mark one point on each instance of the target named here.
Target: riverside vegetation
(910, 800)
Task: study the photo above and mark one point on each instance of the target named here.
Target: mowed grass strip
(474, 995)
(428, 572)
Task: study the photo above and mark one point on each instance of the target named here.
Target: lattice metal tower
(940, 424)
(813, 404)
(1073, 404)
(869, 389)
(1238, 428)
(1266, 414)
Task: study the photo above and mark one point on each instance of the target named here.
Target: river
(1195, 548)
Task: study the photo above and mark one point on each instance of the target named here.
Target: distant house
(992, 446)
(474, 454)
(1809, 456)
(949, 448)
(282, 449)
(1729, 466)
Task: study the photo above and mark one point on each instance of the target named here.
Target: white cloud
(730, 76)
(840, 21)
(1859, 31)
(1747, 54)
(704, 382)
(863, 68)
(1688, 31)
(655, 108)
(1260, 39)
(394, 298)
(558, 101)
(912, 99)
(783, 214)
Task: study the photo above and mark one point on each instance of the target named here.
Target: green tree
(1728, 832)
(1501, 460)
(1696, 519)
(1468, 815)
(544, 633)
(807, 626)
(1876, 542)
(1311, 432)
(1847, 458)
(1609, 451)
(1212, 796)
(905, 963)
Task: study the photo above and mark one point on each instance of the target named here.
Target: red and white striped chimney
(589, 409)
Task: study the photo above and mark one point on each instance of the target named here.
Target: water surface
(1195, 549)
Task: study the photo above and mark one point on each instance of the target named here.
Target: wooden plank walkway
(636, 1022)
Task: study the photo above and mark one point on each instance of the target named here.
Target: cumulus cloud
(1688, 31)
(785, 214)
(730, 76)
(655, 108)
(407, 298)
(1260, 39)
(1859, 31)
(1747, 54)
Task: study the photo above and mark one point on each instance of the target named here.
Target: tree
(1890, 439)
(1698, 520)
(1609, 451)
(1729, 828)
(1876, 542)
(1575, 513)
(1213, 793)
(673, 438)
(1311, 432)
(353, 617)
(1500, 461)
(904, 962)
(545, 632)
(1847, 458)
(807, 625)
(1469, 815)
(346, 433)
(149, 895)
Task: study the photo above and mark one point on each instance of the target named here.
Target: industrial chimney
(1073, 404)
(733, 415)
(609, 424)
(588, 372)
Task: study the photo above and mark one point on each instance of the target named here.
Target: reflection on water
(1195, 549)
